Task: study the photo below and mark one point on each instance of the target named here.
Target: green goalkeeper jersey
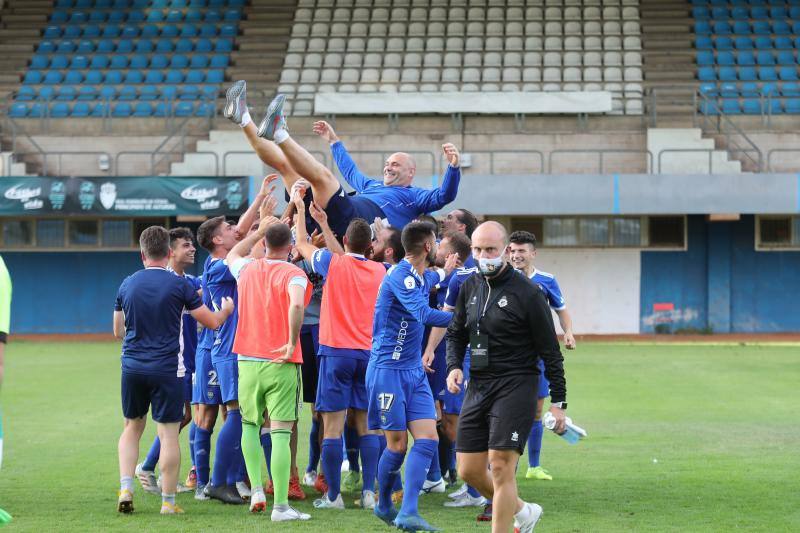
(5, 300)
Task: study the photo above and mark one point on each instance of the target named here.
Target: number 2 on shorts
(212, 378)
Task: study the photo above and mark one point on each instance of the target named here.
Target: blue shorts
(206, 385)
(438, 380)
(163, 393)
(544, 385)
(188, 387)
(397, 397)
(342, 208)
(341, 384)
(228, 376)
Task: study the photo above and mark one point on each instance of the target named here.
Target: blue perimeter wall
(721, 282)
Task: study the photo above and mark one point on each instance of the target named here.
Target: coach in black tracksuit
(505, 321)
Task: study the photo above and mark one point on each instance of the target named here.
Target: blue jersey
(153, 301)
(221, 283)
(206, 336)
(189, 328)
(401, 314)
(458, 278)
(547, 282)
(400, 205)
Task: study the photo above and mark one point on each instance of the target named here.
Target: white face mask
(489, 267)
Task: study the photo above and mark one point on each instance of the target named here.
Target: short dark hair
(469, 220)
(180, 233)
(395, 242)
(208, 230)
(154, 242)
(523, 237)
(460, 243)
(278, 236)
(414, 236)
(430, 219)
(359, 236)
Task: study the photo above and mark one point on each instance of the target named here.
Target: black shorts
(342, 208)
(163, 393)
(309, 344)
(497, 414)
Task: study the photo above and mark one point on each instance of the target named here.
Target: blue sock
(237, 465)
(388, 471)
(435, 470)
(192, 435)
(266, 445)
(370, 448)
(332, 466)
(535, 443)
(472, 491)
(419, 459)
(398, 479)
(351, 441)
(314, 450)
(452, 459)
(151, 460)
(202, 455)
(229, 444)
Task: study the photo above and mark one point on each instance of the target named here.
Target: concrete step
(13, 33)
(8, 49)
(663, 27)
(26, 20)
(661, 43)
(262, 46)
(682, 77)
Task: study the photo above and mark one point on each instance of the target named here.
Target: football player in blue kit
(400, 398)
(523, 253)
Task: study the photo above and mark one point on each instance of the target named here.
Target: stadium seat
(173, 77)
(183, 109)
(745, 74)
(745, 59)
(113, 77)
(39, 62)
(53, 78)
(80, 109)
(199, 61)
(705, 58)
(127, 92)
(122, 109)
(751, 106)
(749, 90)
(786, 57)
(142, 109)
(788, 73)
(134, 76)
(726, 59)
(46, 47)
(792, 106)
(94, 77)
(85, 47)
(59, 110)
(139, 61)
(87, 93)
(724, 43)
(706, 74)
(18, 110)
(105, 46)
(189, 30)
(790, 89)
(765, 58)
(73, 77)
(100, 110)
(743, 43)
(26, 93)
(767, 74)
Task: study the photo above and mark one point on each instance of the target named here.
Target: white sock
(246, 119)
(524, 514)
(126, 483)
(280, 136)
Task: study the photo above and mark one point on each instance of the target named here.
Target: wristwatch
(560, 405)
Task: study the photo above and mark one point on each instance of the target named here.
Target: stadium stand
(130, 58)
(747, 56)
(421, 46)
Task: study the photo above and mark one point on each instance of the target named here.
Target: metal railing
(601, 153)
(49, 155)
(722, 125)
(495, 154)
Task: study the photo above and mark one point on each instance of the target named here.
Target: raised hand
(318, 214)
(265, 184)
(451, 153)
(324, 130)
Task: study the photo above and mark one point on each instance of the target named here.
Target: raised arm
(302, 243)
(212, 319)
(434, 199)
(249, 216)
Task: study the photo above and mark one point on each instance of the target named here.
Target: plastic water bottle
(573, 433)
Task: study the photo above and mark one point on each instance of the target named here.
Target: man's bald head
(399, 170)
(490, 247)
(491, 231)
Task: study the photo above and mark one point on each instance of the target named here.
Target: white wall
(601, 287)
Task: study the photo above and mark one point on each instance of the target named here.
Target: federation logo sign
(234, 196)
(503, 302)
(86, 195)
(58, 193)
(409, 282)
(108, 195)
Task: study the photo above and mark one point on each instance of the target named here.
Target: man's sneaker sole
(125, 507)
(232, 101)
(259, 507)
(272, 119)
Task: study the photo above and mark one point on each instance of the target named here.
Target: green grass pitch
(681, 438)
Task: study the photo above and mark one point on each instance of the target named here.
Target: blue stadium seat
(183, 46)
(91, 31)
(121, 4)
(165, 46)
(154, 77)
(787, 89)
(144, 46)
(80, 109)
(773, 106)
(169, 30)
(751, 106)
(37, 110)
(113, 77)
(194, 76)
(116, 17)
(720, 13)
(706, 74)
(216, 3)
(722, 28)
(85, 47)
(47, 93)
(94, 77)
(236, 3)
(59, 110)
(52, 32)
(134, 76)
(743, 43)
(750, 90)
(759, 13)
(783, 43)
(226, 45)
(792, 106)
(177, 3)
(228, 30)
(119, 61)
(155, 16)
(179, 61)
(140, 4)
(219, 61)
(142, 109)
(73, 77)
(26, 93)
(127, 92)
(204, 109)
(199, 61)
(162, 109)
(741, 27)
(46, 47)
(173, 76)
(39, 62)
(108, 92)
(189, 30)
(18, 110)
(97, 17)
(169, 92)
(704, 42)
(765, 58)
(100, 110)
(731, 107)
(208, 30)
(53, 77)
(111, 31)
(194, 15)
(139, 61)
(232, 15)
(159, 61)
(209, 92)
(767, 74)
(87, 93)
(83, 4)
(215, 76)
(174, 15)
(705, 58)
(122, 110)
(188, 92)
(136, 17)
(160, 4)
(788, 73)
(740, 13)
(102, 4)
(728, 90)
(99, 62)
(724, 43)
(129, 31)
(778, 12)
(748, 74)
(786, 57)
(59, 61)
(148, 92)
(59, 17)
(203, 46)
(726, 59)
(78, 17)
(79, 62)
(125, 46)
(781, 27)
(66, 47)
(761, 27)
(794, 12)
(198, 3)
(184, 109)
(65, 3)
(212, 15)
(33, 77)
(149, 31)
(105, 46)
